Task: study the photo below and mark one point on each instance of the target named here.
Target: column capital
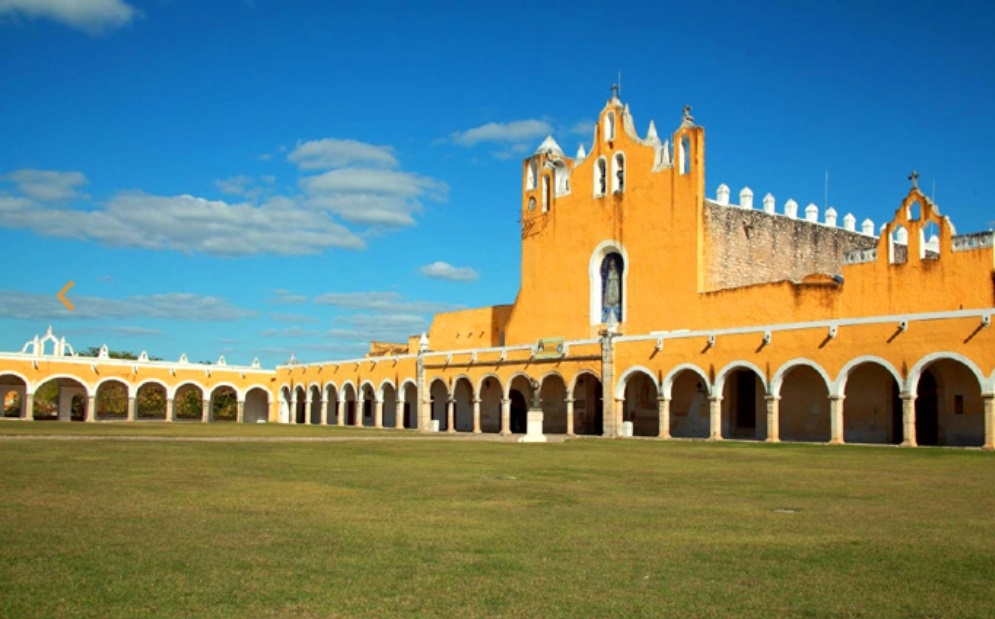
(837, 398)
(505, 400)
(663, 398)
(907, 395)
(714, 398)
(772, 398)
(569, 400)
(477, 399)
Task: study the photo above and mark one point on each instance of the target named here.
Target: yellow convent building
(645, 308)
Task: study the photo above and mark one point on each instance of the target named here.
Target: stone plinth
(533, 432)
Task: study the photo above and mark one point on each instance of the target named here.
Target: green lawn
(586, 528)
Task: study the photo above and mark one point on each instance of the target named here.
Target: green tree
(189, 402)
(151, 400)
(225, 405)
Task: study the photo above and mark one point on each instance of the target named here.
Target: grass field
(586, 528)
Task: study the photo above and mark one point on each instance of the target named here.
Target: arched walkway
(256, 408)
(369, 401)
(13, 390)
(61, 398)
(314, 414)
(410, 406)
(188, 403)
(872, 408)
(948, 409)
(151, 401)
(588, 410)
(520, 394)
(640, 405)
(743, 405)
(439, 394)
(552, 395)
(490, 405)
(804, 406)
(224, 404)
(390, 418)
(463, 405)
(349, 404)
(689, 416)
(112, 400)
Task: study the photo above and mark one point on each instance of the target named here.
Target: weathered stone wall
(746, 246)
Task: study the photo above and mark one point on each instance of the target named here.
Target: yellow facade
(647, 307)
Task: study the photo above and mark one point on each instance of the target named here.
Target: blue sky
(255, 178)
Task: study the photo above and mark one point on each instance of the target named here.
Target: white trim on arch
(238, 392)
(720, 377)
(27, 383)
(31, 387)
(913, 380)
(573, 381)
(623, 380)
(511, 380)
(667, 388)
(602, 250)
(844, 375)
(118, 379)
(550, 374)
(778, 379)
(480, 383)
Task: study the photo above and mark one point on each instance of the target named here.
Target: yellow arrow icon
(62, 295)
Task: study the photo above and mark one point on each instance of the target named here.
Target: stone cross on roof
(614, 91)
(687, 113)
(914, 177)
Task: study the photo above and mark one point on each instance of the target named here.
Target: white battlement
(831, 215)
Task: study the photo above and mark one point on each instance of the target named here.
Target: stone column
(773, 418)
(359, 409)
(423, 403)
(570, 416)
(476, 415)
(378, 413)
(399, 415)
(340, 412)
(908, 420)
(240, 412)
(293, 408)
(450, 414)
(505, 417)
(91, 407)
(28, 412)
(988, 400)
(205, 410)
(307, 408)
(663, 416)
(608, 413)
(324, 409)
(715, 418)
(131, 409)
(170, 412)
(836, 419)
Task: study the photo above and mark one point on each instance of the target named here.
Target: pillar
(570, 415)
(908, 420)
(663, 416)
(240, 412)
(91, 407)
(836, 419)
(131, 409)
(988, 401)
(340, 412)
(618, 410)
(399, 415)
(205, 410)
(307, 408)
(378, 413)
(324, 408)
(715, 418)
(773, 418)
(608, 412)
(505, 417)
(28, 412)
(359, 407)
(293, 408)
(170, 413)
(476, 415)
(450, 413)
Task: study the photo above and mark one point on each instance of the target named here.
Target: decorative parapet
(810, 215)
(860, 256)
(976, 240)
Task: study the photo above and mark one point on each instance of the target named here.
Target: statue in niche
(611, 287)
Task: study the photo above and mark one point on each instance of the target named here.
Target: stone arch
(60, 396)
(188, 401)
(409, 389)
(872, 408)
(602, 251)
(804, 411)
(349, 398)
(331, 395)
(151, 401)
(844, 375)
(285, 400)
(587, 393)
(438, 392)
(949, 409)
(618, 172)
(463, 395)
(388, 412)
(743, 389)
(316, 396)
(368, 396)
(491, 392)
(519, 390)
(687, 387)
(256, 408)
(638, 390)
(224, 402)
(552, 397)
(13, 394)
(600, 181)
(112, 396)
(787, 366)
(299, 400)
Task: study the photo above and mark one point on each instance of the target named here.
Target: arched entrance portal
(640, 406)
(588, 412)
(804, 406)
(256, 408)
(689, 415)
(742, 399)
(872, 410)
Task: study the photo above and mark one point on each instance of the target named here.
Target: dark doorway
(599, 411)
(519, 413)
(350, 412)
(746, 401)
(407, 415)
(927, 411)
(897, 426)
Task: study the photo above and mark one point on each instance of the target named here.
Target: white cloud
(90, 16)
(236, 185)
(384, 302)
(119, 331)
(281, 225)
(298, 318)
(583, 127)
(444, 270)
(517, 131)
(372, 196)
(174, 306)
(47, 185)
(290, 332)
(334, 153)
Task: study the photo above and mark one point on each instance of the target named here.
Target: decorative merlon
(770, 204)
(812, 213)
(722, 195)
(830, 217)
(746, 198)
(791, 209)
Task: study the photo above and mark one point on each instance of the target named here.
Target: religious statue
(612, 297)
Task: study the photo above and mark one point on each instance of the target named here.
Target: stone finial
(746, 197)
(722, 194)
(867, 227)
(831, 217)
(914, 177)
(769, 203)
(688, 118)
(791, 209)
(143, 356)
(423, 342)
(581, 153)
(812, 213)
(850, 222)
(183, 358)
(221, 361)
(255, 363)
(104, 353)
(651, 134)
